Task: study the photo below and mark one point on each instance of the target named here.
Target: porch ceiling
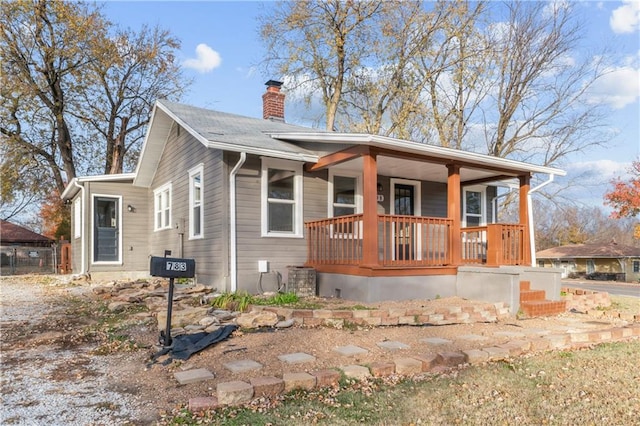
(418, 170)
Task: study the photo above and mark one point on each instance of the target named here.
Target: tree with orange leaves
(55, 217)
(625, 195)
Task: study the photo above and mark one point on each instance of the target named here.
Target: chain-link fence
(17, 260)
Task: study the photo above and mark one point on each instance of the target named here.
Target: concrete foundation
(377, 289)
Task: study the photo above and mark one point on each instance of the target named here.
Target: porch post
(523, 209)
(454, 212)
(370, 210)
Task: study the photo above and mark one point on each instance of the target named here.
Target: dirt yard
(66, 359)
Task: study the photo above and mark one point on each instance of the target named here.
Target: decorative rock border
(592, 302)
(341, 318)
(240, 392)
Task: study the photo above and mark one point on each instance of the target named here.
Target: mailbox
(171, 267)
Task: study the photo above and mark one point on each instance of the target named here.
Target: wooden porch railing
(414, 240)
(335, 241)
(494, 245)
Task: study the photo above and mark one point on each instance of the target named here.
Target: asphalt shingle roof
(10, 233)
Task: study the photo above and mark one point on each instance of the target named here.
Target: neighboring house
(24, 251)
(594, 261)
(375, 217)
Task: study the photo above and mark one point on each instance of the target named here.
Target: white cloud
(626, 18)
(618, 88)
(206, 59)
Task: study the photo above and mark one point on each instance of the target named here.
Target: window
(77, 218)
(636, 266)
(474, 209)
(281, 198)
(344, 195)
(162, 207)
(107, 238)
(196, 213)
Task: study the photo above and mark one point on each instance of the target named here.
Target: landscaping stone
(242, 365)
(298, 381)
(472, 337)
(267, 386)
(513, 334)
(257, 319)
(296, 358)
(232, 393)
(429, 361)
(193, 376)
(450, 359)
(181, 317)
(408, 366)
(496, 353)
(475, 356)
(326, 378)
(285, 324)
(203, 403)
(356, 371)
(382, 369)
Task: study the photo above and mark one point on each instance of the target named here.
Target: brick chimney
(273, 101)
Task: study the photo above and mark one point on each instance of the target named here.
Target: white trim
(198, 170)
(417, 193)
(233, 232)
(297, 202)
(93, 227)
(483, 204)
(167, 187)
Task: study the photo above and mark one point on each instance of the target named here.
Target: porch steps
(534, 304)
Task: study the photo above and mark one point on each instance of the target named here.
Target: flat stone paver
(298, 381)
(472, 337)
(193, 376)
(350, 350)
(393, 345)
(496, 353)
(436, 341)
(242, 365)
(296, 358)
(232, 393)
(408, 366)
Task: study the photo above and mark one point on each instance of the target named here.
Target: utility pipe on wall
(532, 241)
(233, 260)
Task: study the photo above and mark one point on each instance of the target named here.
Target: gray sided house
(249, 199)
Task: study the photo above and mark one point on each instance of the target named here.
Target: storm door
(106, 229)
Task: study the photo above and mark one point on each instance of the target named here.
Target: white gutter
(532, 241)
(83, 230)
(233, 260)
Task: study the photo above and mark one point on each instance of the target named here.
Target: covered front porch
(401, 241)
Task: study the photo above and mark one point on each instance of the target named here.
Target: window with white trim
(77, 218)
(196, 211)
(281, 198)
(474, 208)
(162, 207)
(345, 197)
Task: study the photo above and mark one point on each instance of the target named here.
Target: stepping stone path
(242, 365)
(472, 337)
(296, 358)
(350, 350)
(356, 371)
(509, 334)
(193, 376)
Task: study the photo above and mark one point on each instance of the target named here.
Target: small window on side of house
(162, 207)
(636, 266)
(77, 218)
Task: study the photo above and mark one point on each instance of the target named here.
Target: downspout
(532, 241)
(82, 234)
(233, 260)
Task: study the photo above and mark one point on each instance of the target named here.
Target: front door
(106, 229)
(406, 195)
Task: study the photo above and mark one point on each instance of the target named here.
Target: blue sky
(221, 49)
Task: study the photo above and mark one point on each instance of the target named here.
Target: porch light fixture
(130, 208)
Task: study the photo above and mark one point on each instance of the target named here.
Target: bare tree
(319, 44)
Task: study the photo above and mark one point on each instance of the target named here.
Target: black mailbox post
(171, 267)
